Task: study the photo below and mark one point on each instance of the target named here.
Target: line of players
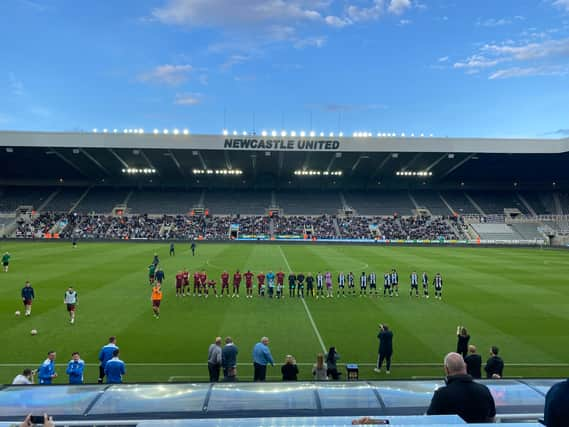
(319, 286)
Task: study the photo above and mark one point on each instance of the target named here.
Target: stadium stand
(380, 203)
(493, 202)
(102, 200)
(542, 203)
(431, 201)
(226, 202)
(65, 199)
(13, 197)
(308, 202)
(528, 231)
(492, 231)
(162, 201)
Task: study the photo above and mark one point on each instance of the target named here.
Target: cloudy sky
(446, 67)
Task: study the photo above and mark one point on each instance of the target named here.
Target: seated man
(461, 395)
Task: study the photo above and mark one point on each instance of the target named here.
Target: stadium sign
(281, 144)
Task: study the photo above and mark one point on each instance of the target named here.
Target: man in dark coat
(385, 337)
(494, 365)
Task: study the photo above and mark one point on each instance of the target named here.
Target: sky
(484, 68)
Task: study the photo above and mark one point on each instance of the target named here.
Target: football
(34, 332)
(17, 313)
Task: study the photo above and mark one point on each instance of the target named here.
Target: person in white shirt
(25, 378)
(70, 300)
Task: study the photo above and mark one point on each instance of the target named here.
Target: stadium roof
(181, 141)
(40, 158)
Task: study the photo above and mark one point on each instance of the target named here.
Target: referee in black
(385, 337)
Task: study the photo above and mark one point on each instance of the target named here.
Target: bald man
(214, 360)
(462, 396)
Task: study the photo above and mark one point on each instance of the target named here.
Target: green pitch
(517, 299)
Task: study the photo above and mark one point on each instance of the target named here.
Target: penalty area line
(312, 322)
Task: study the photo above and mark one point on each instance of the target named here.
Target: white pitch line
(305, 307)
(400, 364)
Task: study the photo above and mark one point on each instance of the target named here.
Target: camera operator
(385, 337)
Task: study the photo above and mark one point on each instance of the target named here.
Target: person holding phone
(385, 337)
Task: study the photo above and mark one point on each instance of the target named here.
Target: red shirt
(196, 278)
(203, 278)
(280, 277)
(248, 277)
(179, 278)
(225, 278)
(186, 276)
(237, 278)
(261, 279)
(211, 282)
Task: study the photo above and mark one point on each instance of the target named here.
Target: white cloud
(549, 48)
(360, 14)
(499, 22)
(443, 59)
(563, 4)
(310, 42)
(235, 60)
(188, 99)
(168, 74)
(529, 72)
(397, 7)
(335, 21)
(405, 22)
(477, 61)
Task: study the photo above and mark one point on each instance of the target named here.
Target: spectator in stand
(261, 358)
(331, 363)
(385, 352)
(25, 378)
(556, 411)
(229, 360)
(462, 396)
(462, 343)
(47, 421)
(214, 359)
(473, 363)
(289, 369)
(494, 365)
(319, 371)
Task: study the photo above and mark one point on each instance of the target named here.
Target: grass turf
(512, 297)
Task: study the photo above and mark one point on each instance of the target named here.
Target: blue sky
(447, 67)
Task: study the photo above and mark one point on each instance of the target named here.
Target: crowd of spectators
(181, 227)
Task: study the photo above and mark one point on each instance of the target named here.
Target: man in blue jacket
(105, 355)
(75, 369)
(46, 371)
(556, 412)
(229, 360)
(261, 358)
(115, 369)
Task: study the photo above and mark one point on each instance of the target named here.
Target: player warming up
(363, 284)
(156, 299)
(185, 282)
(319, 285)
(280, 283)
(372, 284)
(300, 285)
(329, 289)
(261, 284)
(71, 301)
(28, 296)
(271, 283)
(211, 285)
(236, 284)
(387, 285)
(291, 284)
(197, 288)
(151, 273)
(438, 284)
(351, 284)
(310, 284)
(6, 261)
(395, 282)
(179, 283)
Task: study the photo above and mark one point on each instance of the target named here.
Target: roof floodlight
(105, 130)
(165, 131)
(283, 133)
(141, 130)
(274, 133)
(186, 132)
(156, 131)
(321, 133)
(225, 132)
(95, 130)
(176, 132)
(312, 133)
(115, 130)
(331, 134)
(264, 133)
(292, 133)
(341, 134)
(234, 133)
(302, 133)
(244, 133)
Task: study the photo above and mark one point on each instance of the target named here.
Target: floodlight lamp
(225, 132)
(115, 130)
(341, 134)
(302, 133)
(283, 133)
(95, 130)
(312, 134)
(105, 130)
(186, 132)
(331, 135)
(244, 133)
(165, 131)
(321, 134)
(125, 131)
(264, 133)
(234, 133)
(293, 133)
(156, 131)
(140, 130)
(274, 133)
(176, 132)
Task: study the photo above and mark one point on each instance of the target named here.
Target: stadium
(490, 215)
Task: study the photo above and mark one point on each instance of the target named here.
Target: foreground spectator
(106, 354)
(75, 369)
(495, 365)
(556, 411)
(462, 343)
(385, 337)
(290, 369)
(229, 360)
(319, 371)
(47, 421)
(214, 360)
(462, 396)
(25, 378)
(261, 358)
(473, 363)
